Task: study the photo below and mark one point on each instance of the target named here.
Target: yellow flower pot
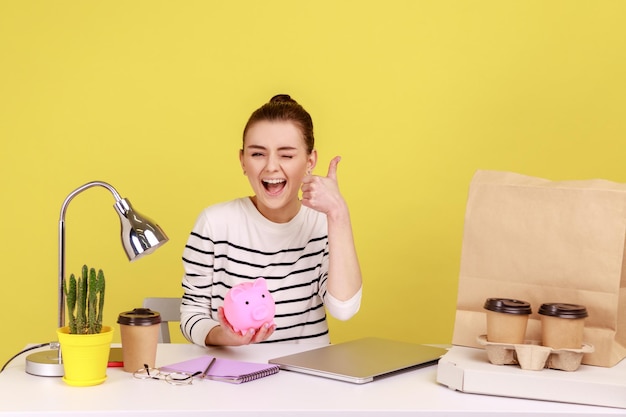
(85, 356)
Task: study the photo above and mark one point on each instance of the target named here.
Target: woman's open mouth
(275, 185)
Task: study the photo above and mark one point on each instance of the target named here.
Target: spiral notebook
(225, 370)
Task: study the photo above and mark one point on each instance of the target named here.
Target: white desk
(411, 393)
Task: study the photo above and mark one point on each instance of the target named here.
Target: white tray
(468, 370)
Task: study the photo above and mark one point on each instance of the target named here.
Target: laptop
(361, 360)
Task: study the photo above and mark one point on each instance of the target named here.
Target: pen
(208, 367)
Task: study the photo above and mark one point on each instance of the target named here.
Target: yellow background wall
(151, 96)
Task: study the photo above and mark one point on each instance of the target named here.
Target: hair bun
(282, 98)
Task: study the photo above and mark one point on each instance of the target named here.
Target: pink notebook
(226, 370)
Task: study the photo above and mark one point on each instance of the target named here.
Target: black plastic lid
(507, 305)
(563, 310)
(139, 317)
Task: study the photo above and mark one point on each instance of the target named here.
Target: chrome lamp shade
(140, 236)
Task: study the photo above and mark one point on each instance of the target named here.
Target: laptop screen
(361, 360)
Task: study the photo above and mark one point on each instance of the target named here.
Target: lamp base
(44, 363)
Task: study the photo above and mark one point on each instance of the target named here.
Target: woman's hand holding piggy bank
(249, 305)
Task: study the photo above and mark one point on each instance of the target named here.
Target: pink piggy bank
(249, 305)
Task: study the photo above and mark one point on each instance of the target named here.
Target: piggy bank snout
(262, 312)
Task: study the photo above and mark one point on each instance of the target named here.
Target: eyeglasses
(174, 378)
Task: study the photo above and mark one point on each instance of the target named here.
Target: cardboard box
(468, 370)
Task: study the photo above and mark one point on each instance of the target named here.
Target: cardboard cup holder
(532, 356)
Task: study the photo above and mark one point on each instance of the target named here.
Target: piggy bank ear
(237, 291)
(260, 283)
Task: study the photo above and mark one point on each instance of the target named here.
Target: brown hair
(282, 107)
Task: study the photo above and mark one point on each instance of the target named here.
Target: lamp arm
(69, 198)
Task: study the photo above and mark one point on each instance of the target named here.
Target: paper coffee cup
(506, 320)
(562, 325)
(139, 330)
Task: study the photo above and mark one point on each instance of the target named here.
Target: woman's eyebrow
(255, 146)
(282, 148)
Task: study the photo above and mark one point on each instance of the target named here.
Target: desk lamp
(140, 236)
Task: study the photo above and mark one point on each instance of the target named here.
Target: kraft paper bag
(543, 241)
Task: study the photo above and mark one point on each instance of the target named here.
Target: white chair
(169, 309)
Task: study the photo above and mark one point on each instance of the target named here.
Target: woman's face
(275, 160)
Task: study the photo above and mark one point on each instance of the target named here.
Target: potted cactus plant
(85, 301)
(85, 342)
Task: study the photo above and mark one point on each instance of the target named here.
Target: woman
(304, 248)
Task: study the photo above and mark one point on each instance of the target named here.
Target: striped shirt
(232, 243)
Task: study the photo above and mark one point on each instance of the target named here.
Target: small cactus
(85, 301)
